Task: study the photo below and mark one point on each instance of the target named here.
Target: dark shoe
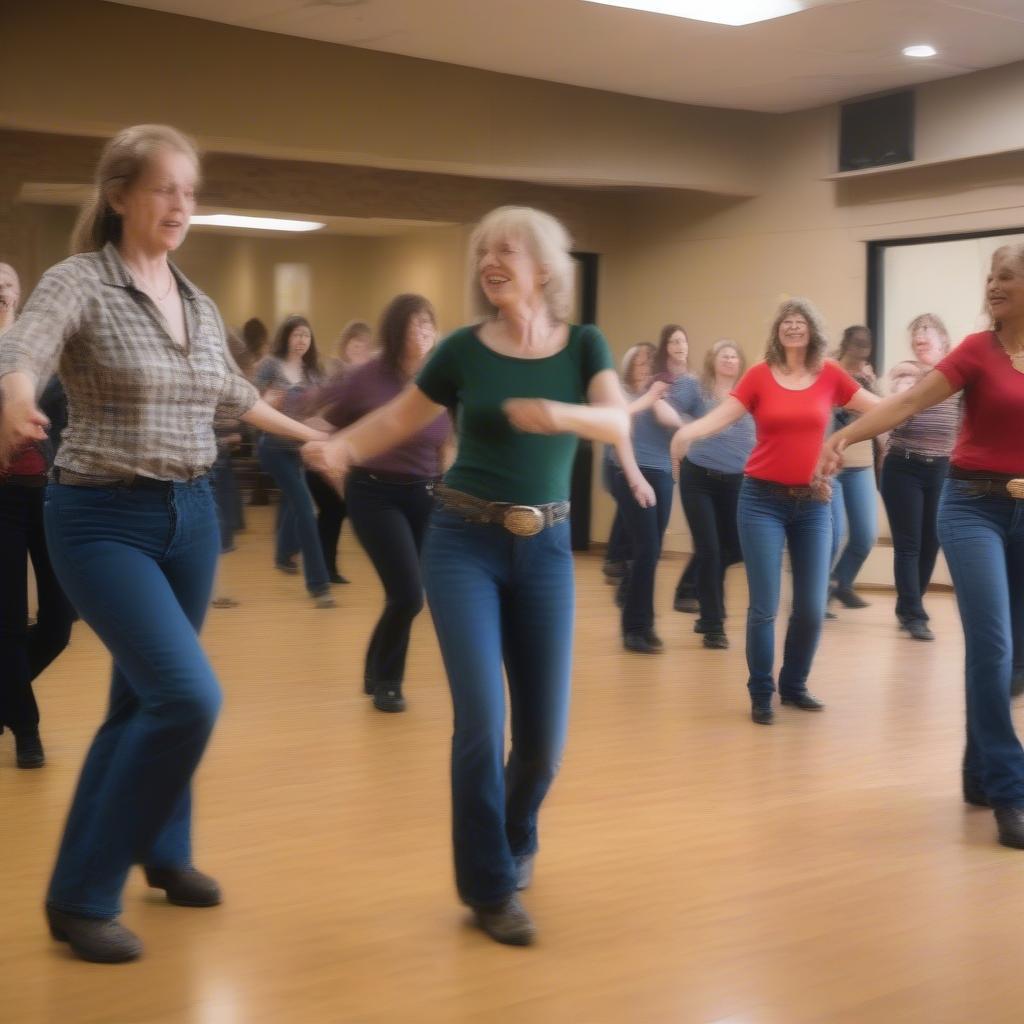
(338, 579)
(805, 701)
(690, 605)
(716, 641)
(639, 644)
(1010, 821)
(614, 571)
(524, 871)
(973, 793)
(289, 567)
(388, 697)
(848, 597)
(762, 714)
(95, 940)
(620, 593)
(830, 615)
(919, 630)
(699, 627)
(507, 923)
(653, 639)
(368, 687)
(185, 887)
(29, 750)
(1017, 684)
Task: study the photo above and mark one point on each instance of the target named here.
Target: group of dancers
(131, 527)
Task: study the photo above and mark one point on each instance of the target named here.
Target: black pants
(25, 651)
(646, 529)
(709, 503)
(390, 519)
(911, 492)
(331, 512)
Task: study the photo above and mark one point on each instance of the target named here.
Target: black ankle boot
(29, 750)
(95, 940)
(185, 887)
(507, 923)
(1010, 821)
(388, 697)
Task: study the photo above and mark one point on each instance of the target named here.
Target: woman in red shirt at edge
(981, 527)
(791, 396)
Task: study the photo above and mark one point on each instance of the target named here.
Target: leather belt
(133, 483)
(521, 520)
(909, 456)
(785, 491)
(993, 485)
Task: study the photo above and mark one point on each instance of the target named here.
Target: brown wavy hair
(661, 356)
(707, 375)
(394, 322)
(311, 360)
(817, 346)
(924, 321)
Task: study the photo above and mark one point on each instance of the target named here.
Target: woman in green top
(497, 563)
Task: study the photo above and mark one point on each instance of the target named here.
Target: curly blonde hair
(548, 242)
(775, 354)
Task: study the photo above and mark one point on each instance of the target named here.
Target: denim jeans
(645, 528)
(855, 515)
(296, 519)
(769, 521)
(709, 502)
(983, 540)
(390, 520)
(229, 503)
(139, 567)
(498, 599)
(911, 492)
(25, 651)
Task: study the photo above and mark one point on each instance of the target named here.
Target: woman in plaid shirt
(131, 522)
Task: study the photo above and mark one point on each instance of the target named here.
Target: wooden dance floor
(695, 867)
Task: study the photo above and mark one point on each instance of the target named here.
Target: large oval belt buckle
(523, 520)
(1016, 488)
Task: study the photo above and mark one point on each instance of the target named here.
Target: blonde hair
(1013, 251)
(930, 321)
(548, 242)
(626, 367)
(707, 376)
(775, 354)
(123, 160)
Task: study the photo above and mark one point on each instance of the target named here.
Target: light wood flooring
(695, 867)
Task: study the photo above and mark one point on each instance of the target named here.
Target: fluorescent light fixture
(231, 220)
(721, 12)
(923, 50)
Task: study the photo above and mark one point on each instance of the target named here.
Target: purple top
(368, 388)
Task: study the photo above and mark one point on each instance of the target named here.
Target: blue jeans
(645, 528)
(854, 513)
(499, 599)
(983, 540)
(139, 567)
(229, 503)
(911, 492)
(296, 519)
(768, 521)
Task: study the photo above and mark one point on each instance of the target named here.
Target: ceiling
(834, 50)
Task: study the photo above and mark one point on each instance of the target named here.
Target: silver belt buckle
(523, 520)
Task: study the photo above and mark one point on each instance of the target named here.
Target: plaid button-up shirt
(138, 403)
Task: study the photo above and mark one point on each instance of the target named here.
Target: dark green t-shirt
(496, 461)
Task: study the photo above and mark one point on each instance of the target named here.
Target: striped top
(728, 450)
(931, 433)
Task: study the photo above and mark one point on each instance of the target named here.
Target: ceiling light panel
(719, 12)
(230, 220)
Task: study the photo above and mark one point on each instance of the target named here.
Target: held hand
(643, 492)
(655, 393)
(678, 449)
(831, 459)
(531, 415)
(821, 488)
(331, 461)
(20, 425)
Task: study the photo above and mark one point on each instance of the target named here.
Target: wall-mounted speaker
(877, 132)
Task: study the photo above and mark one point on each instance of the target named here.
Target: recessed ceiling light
(230, 220)
(923, 50)
(721, 12)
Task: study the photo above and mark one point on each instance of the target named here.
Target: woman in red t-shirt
(981, 528)
(791, 396)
